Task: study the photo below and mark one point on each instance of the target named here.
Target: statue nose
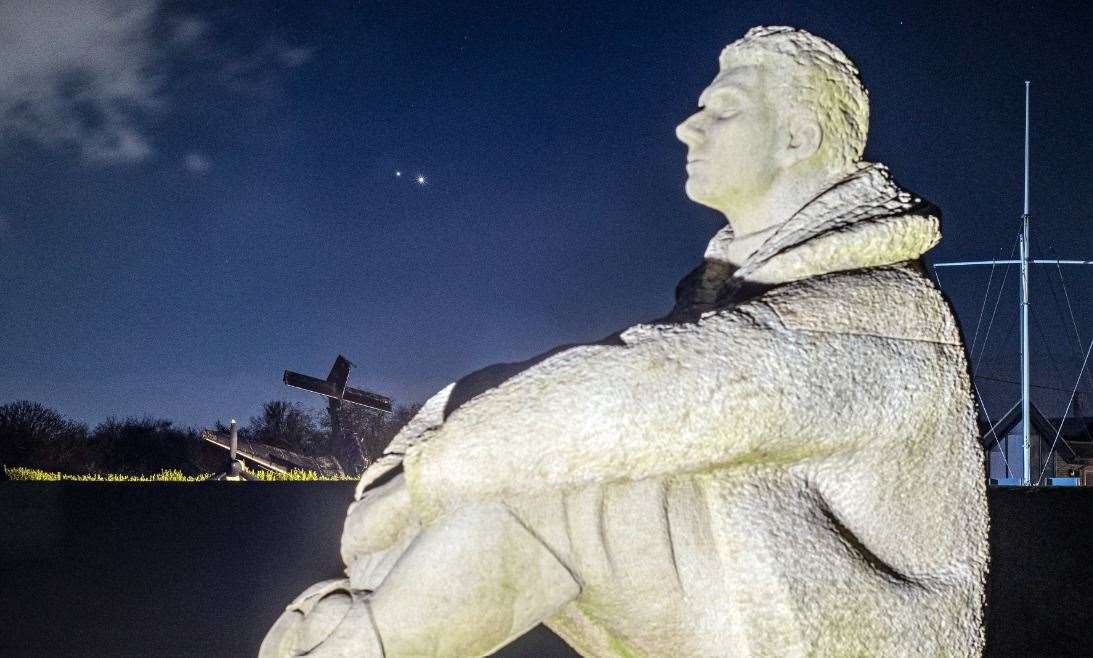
(688, 132)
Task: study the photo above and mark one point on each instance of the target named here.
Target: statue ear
(805, 137)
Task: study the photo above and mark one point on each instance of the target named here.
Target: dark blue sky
(194, 198)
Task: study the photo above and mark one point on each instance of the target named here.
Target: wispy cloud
(188, 29)
(86, 75)
(79, 73)
(259, 70)
(294, 57)
(196, 163)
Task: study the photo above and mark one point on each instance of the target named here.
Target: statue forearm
(673, 399)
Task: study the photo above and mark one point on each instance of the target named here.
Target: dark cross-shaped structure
(335, 389)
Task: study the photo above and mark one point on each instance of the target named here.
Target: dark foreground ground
(182, 569)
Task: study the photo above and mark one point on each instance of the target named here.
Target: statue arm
(735, 388)
(430, 415)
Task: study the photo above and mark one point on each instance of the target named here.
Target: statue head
(786, 111)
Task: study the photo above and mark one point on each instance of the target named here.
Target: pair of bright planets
(419, 179)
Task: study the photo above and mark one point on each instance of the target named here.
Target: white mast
(1025, 418)
(1024, 261)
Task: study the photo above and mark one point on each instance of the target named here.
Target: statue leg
(465, 586)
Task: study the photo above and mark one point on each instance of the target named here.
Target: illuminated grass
(34, 475)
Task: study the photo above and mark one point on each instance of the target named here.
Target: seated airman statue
(784, 465)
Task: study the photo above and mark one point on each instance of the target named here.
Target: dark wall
(1040, 589)
(167, 569)
(183, 569)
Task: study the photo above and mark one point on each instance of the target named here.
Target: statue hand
(328, 619)
(378, 528)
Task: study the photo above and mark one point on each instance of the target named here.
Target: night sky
(197, 196)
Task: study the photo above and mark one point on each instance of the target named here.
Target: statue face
(733, 139)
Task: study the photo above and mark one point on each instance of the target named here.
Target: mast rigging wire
(983, 305)
(1059, 431)
(975, 387)
(1059, 376)
(1070, 309)
(994, 312)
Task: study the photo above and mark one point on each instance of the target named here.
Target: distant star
(420, 179)
(398, 173)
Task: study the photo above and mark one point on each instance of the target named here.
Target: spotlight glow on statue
(785, 465)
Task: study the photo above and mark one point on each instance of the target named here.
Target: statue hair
(820, 78)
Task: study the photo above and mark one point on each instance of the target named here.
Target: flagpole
(1025, 417)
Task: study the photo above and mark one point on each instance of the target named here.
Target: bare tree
(143, 446)
(362, 433)
(287, 425)
(32, 434)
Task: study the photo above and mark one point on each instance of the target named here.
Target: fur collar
(865, 220)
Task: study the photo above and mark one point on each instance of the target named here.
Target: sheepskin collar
(865, 220)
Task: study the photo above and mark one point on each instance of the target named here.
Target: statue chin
(696, 191)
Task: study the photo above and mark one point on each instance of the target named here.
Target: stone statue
(785, 465)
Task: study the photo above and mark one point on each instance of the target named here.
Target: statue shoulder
(896, 301)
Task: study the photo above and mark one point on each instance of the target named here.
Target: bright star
(398, 173)
(420, 179)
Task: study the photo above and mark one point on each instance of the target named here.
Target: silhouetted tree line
(35, 436)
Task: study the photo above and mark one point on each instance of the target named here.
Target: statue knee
(461, 587)
(471, 581)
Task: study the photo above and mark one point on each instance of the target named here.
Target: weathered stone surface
(785, 465)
